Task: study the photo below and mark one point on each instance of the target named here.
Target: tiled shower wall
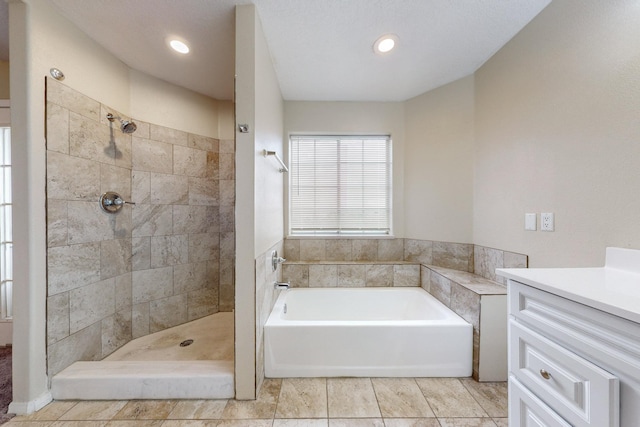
(164, 261)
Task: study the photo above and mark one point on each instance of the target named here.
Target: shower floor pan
(156, 366)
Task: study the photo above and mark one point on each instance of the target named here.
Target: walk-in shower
(126, 126)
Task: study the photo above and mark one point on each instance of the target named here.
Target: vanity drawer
(526, 410)
(579, 391)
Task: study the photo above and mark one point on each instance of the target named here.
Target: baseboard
(31, 406)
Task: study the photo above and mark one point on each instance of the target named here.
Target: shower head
(126, 126)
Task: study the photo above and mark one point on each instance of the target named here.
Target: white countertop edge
(612, 290)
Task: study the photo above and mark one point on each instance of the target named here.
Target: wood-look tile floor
(301, 402)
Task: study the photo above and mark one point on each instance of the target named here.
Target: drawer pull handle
(546, 375)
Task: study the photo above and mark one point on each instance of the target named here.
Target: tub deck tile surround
(384, 402)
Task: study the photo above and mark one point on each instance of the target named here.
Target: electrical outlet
(530, 221)
(546, 221)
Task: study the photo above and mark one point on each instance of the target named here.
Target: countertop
(614, 288)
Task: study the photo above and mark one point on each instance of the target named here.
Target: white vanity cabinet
(574, 344)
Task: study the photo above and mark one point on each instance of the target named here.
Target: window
(340, 185)
(6, 276)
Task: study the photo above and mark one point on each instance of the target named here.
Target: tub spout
(281, 285)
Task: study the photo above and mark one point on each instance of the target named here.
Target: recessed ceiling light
(179, 46)
(385, 44)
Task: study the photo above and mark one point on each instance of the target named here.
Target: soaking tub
(365, 332)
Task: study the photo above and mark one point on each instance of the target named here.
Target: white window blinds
(6, 239)
(340, 185)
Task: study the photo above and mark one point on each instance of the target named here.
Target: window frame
(343, 234)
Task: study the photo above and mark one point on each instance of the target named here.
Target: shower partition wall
(164, 261)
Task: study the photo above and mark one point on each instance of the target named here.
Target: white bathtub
(365, 332)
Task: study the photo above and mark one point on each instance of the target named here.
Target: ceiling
(321, 49)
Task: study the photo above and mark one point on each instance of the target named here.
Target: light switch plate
(530, 221)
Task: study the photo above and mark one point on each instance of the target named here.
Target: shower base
(156, 366)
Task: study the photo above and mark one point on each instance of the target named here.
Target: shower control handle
(112, 202)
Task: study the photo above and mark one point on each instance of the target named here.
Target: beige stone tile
(135, 423)
(140, 320)
(390, 250)
(189, 161)
(195, 219)
(86, 222)
(64, 96)
(227, 192)
(72, 178)
(400, 397)
(418, 251)
(501, 422)
(351, 397)
(89, 423)
(90, 304)
(198, 410)
(50, 412)
(338, 250)
(364, 250)
(227, 165)
(189, 277)
(379, 275)
(85, 344)
(57, 317)
(246, 423)
(56, 222)
(351, 275)
(149, 285)
(57, 128)
(466, 304)
(323, 276)
(204, 247)
(190, 423)
(466, 422)
(227, 218)
(168, 135)
(146, 410)
(440, 288)
(356, 422)
(514, 260)
(152, 220)
(406, 275)
(140, 187)
(140, 253)
(425, 278)
(167, 312)
(261, 408)
(457, 256)
(115, 258)
(151, 156)
(169, 250)
(312, 250)
(114, 178)
(296, 274)
(90, 139)
(13, 423)
(116, 331)
(486, 260)
(167, 189)
(94, 410)
(449, 398)
(492, 396)
(204, 191)
(301, 422)
(302, 398)
(71, 267)
(202, 303)
(411, 422)
(143, 129)
(124, 285)
(203, 143)
(291, 249)
(227, 146)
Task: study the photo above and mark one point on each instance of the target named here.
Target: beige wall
(438, 167)
(557, 131)
(353, 118)
(4, 80)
